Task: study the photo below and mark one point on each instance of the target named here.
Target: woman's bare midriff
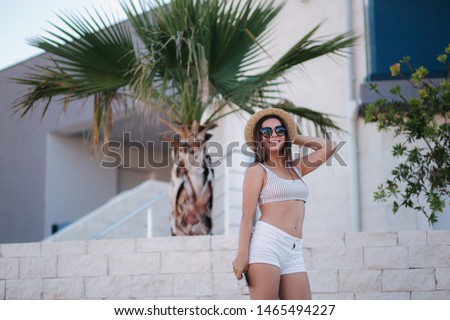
(286, 215)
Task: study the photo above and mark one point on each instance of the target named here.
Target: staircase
(143, 211)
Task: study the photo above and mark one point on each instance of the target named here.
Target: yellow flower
(423, 93)
(395, 69)
(442, 58)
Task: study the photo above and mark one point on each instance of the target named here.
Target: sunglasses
(279, 130)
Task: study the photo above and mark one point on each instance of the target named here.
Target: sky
(22, 19)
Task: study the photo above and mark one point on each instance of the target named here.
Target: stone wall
(394, 265)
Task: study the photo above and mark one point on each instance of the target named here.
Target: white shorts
(272, 245)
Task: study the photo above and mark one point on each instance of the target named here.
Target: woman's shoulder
(256, 169)
(254, 176)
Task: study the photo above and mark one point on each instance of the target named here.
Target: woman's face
(274, 141)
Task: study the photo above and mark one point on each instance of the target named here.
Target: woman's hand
(240, 266)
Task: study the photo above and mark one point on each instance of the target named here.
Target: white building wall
(321, 85)
(73, 176)
(376, 163)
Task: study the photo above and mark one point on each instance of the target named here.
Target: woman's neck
(274, 160)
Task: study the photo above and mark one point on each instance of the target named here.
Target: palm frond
(321, 121)
(91, 56)
(307, 49)
(198, 45)
(191, 53)
(304, 50)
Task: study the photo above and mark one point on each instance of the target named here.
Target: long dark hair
(260, 152)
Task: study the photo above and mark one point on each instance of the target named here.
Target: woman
(271, 256)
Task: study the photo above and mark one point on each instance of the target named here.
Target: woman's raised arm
(323, 151)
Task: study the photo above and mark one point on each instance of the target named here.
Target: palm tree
(195, 61)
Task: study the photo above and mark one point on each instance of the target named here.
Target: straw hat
(287, 119)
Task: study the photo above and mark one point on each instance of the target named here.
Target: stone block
(115, 246)
(429, 256)
(38, 267)
(323, 281)
(382, 295)
(359, 280)
(329, 240)
(197, 243)
(412, 238)
(84, 265)
(337, 258)
(164, 244)
(186, 298)
(409, 280)
(31, 249)
(117, 287)
(371, 239)
(221, 261)
(194, 285)
(439, 238)
(159, 244)
(151, 286)
(386, 258)
(334, 296)
(225, 284)
(9, 268)
(2, 289)
(431, 295)
(24, 289)
(134, 264)
(232, 297)
(64, 288)
(443, 278)
(224, 243)
(57, 248)
(186, 262)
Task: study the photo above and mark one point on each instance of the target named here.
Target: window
(397, 28)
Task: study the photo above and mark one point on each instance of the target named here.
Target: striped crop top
(279, 189)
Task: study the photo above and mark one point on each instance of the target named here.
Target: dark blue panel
(416, 28)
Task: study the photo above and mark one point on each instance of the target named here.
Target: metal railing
(132, 214)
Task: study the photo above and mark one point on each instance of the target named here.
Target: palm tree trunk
(191, 188)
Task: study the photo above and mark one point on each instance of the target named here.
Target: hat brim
(291, 126)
